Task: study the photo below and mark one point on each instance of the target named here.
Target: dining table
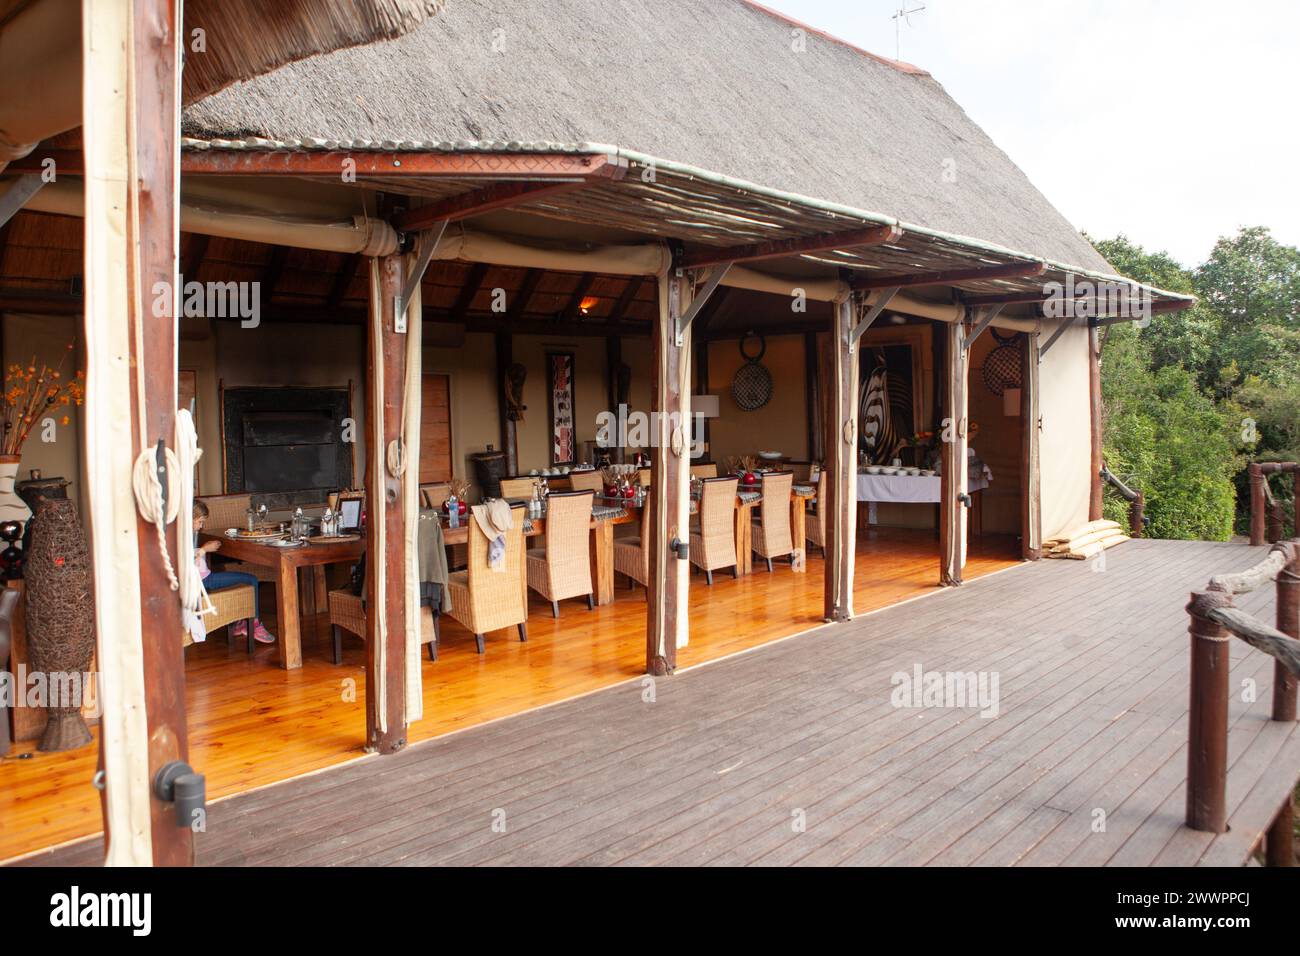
(287, 562)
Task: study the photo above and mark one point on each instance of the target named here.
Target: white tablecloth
(909, 488)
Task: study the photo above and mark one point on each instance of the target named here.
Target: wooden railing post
(1279, 841)
(1136, 515)
(1295, 500)
(1257, 480)
(1207, 732)
(1288, 622)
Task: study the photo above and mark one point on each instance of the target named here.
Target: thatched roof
(246, 38)
(715, 84)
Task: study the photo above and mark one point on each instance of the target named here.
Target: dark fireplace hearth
(286, 444)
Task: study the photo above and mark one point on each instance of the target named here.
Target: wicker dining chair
(347, 612)
(231, 606)
(587, 481)
(772, 535)
(815, 520)
(435, 494)
(704, 471)
(231, 511)
(632, 555)
(486, 600)
(562, 569)
(713, 539)
(518, 488)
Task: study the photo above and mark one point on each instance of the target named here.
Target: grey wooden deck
(730, 756)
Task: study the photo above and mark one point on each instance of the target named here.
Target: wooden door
(435, 429)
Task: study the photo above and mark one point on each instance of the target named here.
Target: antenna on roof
(901, 15)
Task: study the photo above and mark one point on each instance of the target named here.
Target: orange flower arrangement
(31, 393)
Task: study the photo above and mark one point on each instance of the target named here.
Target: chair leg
(478, 641)
(433, 649)
(735, 571)
(769, 565)
(591, 603)
(338, 643)
(249, 624)
(708, 576)
(555, 609)
(523, 632)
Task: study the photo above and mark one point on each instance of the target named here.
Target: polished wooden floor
(253, 724)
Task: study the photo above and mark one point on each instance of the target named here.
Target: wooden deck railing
(1214, 620)
(1267, 517)
(1136, 502)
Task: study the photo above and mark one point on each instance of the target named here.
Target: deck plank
(793, 754)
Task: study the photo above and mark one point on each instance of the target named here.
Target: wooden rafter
(273, 270)
(574, 308)
(473, 282)
(1012, 270)
(781, 248)
(343, 280)
(194, 255)
(525, 294)
(626, 297)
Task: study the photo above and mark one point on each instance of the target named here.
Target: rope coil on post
(179, 498)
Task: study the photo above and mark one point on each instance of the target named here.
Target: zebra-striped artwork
(885, 402)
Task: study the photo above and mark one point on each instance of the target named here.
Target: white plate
(283, 543)
(928, 472)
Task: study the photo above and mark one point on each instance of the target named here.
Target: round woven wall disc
(752, 386)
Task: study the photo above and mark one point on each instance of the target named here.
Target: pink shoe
(239, 629)
(261, 634)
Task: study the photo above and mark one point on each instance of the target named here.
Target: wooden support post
(1279, 841)
(1295, 501)
(1207, 732)
(953, 499)
(613, 363)
(841, 417)
(1288, 622)
(1031, 513)
(386, 565)
(1095, 505)
(509, 429)
(1137, 515)
(667, 626)
(1257, 503)
(130, 133)
(1276, 522)
(812, 398)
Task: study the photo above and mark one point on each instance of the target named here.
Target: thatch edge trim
(260, 144)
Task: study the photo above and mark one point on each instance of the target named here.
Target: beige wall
(998, 443)
(46, 337)
(474, 420)
(591, 392)
(781, 424)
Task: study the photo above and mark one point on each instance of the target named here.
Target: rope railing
(1214, 620)
(1137, 520)
(1267, 515)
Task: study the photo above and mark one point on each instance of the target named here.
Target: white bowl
(533, 472)
(873, 469)
(888, 470)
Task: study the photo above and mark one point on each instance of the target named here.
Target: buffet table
(917, 489)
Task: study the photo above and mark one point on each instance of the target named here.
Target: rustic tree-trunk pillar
(667, 625)
(1095, 505)
(1257, 503)
(840, 387)
(953, 499)
(1136, 515)
(1207, 732)
(387, 568)
(1031, 513)
(1288, 622)
(130, 135)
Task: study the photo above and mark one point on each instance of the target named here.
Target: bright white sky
(1171, 121)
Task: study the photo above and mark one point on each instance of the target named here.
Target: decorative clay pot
(12, 507)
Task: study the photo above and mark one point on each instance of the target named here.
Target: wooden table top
(305, 555)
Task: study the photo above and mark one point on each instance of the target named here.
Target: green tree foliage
(1191, 398)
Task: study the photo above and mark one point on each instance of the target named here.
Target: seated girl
(219, 580)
